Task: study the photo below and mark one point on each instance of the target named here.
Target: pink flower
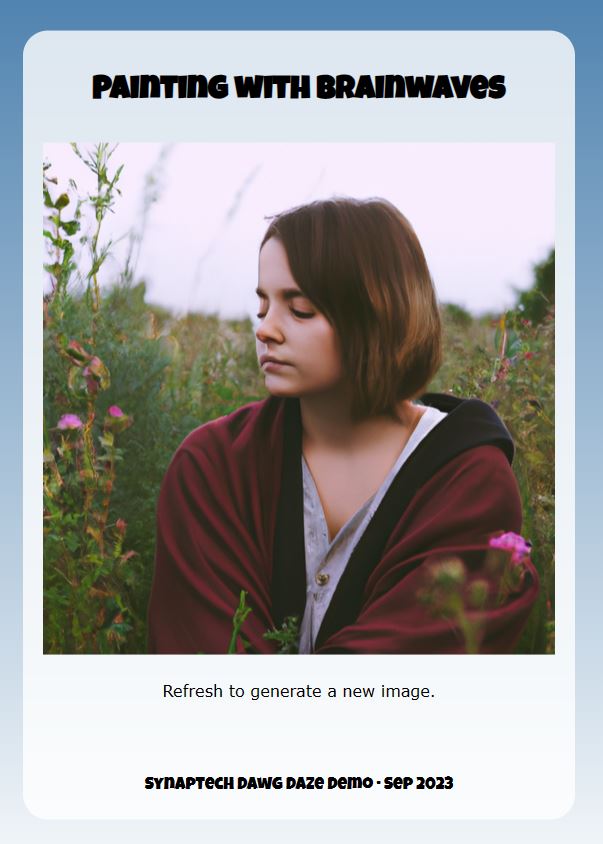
(69, 422)
(520, 548)
(91, 382)
(121, 526)
(116, 420)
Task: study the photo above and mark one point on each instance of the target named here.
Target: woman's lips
(275, 366)
(272, 364)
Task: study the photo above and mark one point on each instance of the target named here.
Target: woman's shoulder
(230, 461)
(244, 427)
(486, 462)
(464, 463)
(469, 423)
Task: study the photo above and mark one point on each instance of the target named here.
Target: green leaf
(77, 352)
(67, 253)
(107, 439)
(76, 382)
(70, 226)
(47, 199)
(54, 269)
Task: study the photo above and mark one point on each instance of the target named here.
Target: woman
(333, 500)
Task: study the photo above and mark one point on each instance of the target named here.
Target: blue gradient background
(583, 25)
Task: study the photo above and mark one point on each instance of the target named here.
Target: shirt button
(322, 579)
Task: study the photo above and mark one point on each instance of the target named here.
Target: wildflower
(69, 422)
(520, 548)
(91, 382)
(528, 355)
(116, 420)
(478, 593)
(448, 573)
(121, 526)
(503, 369)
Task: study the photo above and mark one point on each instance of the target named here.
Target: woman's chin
(280, 390)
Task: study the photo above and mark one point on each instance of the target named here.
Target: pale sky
(484, 213)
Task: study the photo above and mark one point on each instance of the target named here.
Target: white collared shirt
(326, 561)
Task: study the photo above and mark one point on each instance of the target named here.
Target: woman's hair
(361, 264)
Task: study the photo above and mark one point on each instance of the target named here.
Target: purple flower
(69, 422)
(520, 548)
(115, 411)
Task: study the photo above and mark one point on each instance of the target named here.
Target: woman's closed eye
(295, 311)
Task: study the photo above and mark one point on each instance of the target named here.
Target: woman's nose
(269, 330)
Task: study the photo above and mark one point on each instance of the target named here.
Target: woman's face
(297, 347)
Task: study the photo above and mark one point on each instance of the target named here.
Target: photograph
(299, 398)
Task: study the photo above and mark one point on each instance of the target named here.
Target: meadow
(126, 381)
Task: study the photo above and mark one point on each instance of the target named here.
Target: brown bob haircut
(361, 264)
